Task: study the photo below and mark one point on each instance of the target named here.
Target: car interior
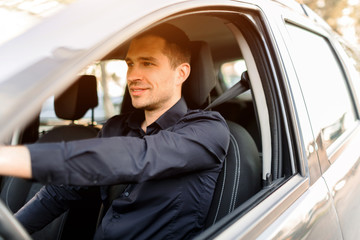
(70, 105)
(217, 54)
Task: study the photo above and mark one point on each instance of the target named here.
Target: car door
(332, 106)
(343, 175)
(340, 143)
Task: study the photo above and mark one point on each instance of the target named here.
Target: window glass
(231, 72)
(323, 85)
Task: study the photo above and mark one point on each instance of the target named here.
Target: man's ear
(183, 72)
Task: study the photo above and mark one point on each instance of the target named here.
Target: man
(171, 156)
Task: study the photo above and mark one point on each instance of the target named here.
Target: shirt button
(95, 181)
(126, 194)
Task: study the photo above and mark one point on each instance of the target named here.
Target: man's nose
(133, 74)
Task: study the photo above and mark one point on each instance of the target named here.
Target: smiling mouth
(137, 91)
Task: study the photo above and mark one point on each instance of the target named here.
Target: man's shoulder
(200, 117)
(116, 125)
(208, 127)
(202, 114)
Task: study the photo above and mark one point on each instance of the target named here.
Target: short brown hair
(177, 43)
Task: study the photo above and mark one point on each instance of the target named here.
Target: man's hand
(15, 161)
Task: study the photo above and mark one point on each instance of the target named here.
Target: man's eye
(129, 64)
(147, 64)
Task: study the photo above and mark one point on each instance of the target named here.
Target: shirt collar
(169, 118)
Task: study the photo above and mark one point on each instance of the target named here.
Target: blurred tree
(356, 15)
(329, 10)
(341, 15)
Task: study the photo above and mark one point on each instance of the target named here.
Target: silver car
(295, 91)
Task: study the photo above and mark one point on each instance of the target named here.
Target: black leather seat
(240, 177)
(71, 105)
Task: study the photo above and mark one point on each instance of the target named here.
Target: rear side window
(323, 85)
(231, 72)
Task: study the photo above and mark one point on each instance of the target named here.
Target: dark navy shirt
(171, 171)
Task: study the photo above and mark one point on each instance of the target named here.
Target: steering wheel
(10, 228)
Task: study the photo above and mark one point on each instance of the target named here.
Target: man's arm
(50, 202)
(198, 142)
(15, 161)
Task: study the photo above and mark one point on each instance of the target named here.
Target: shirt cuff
(47, 161)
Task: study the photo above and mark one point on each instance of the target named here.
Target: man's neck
(153, 115)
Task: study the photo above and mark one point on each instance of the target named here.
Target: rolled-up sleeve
(198, 141)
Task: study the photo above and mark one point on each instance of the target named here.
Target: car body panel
(307, 217)
(342, 179)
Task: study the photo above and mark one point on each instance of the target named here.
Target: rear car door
(331, 102)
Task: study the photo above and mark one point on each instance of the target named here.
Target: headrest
(202, 79)
(77, 99)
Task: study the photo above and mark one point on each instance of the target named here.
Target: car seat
(70, 105)
(240, 177)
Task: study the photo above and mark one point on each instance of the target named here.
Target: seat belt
(239, 88)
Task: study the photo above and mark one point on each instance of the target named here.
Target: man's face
(152, 82)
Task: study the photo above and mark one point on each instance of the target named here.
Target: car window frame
(278, 191)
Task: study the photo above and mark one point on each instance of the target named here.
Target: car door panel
(312, 215)
(343, 179)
